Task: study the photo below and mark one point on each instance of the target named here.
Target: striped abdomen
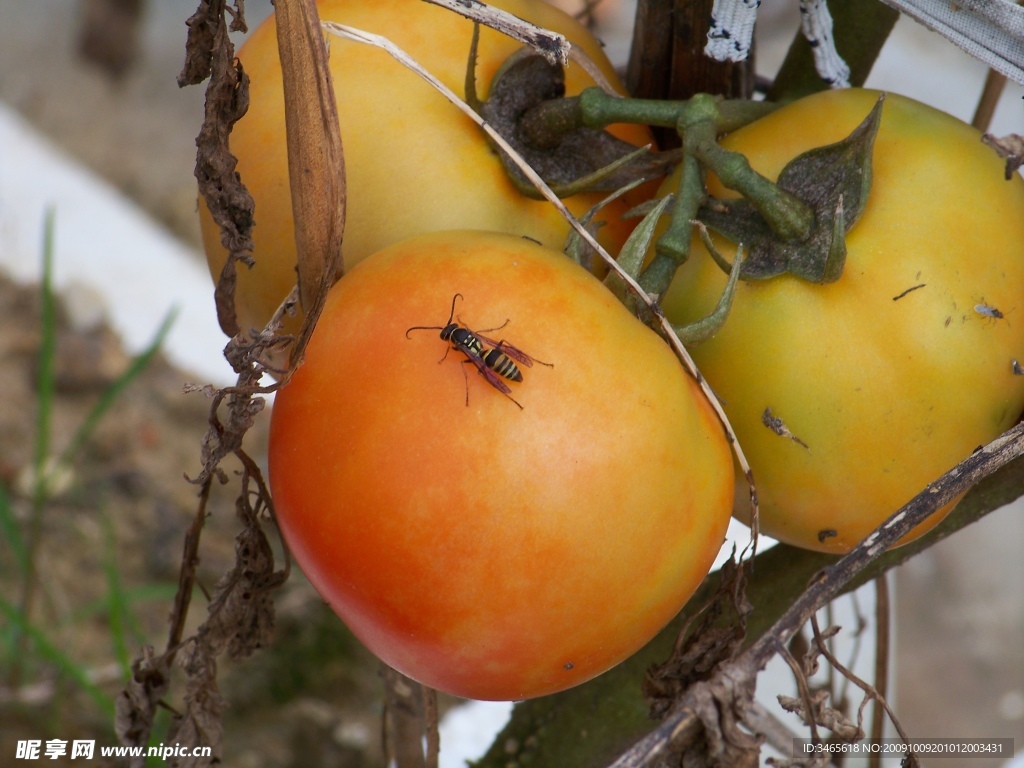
(502, 365)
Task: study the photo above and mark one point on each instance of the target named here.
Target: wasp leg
(465, 377)
(491, 330)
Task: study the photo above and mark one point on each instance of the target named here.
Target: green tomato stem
(599, 109)
(544, 126)
(699, 121)
(673, 247)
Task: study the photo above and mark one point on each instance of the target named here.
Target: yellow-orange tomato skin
(413, 162)
(486, 550)
(891, 375)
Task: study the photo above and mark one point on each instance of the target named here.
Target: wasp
(494, 360)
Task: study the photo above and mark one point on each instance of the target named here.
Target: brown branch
(804, 689)
(551, 45)
(432, 721)
(882, 649)
(684, 726)
(979, 465)
(995, 83)
(187, 575)
(777, 734)
(404, 719)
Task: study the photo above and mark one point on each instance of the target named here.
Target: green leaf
(834, 181)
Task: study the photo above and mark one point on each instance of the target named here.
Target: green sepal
(576, 248)
(579, 159)
(634, 250)
(706, 327)
(834, 181)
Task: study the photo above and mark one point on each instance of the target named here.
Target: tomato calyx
(528, 107)
(834, 181)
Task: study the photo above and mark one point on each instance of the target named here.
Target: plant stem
(673, 247)
(599, 109)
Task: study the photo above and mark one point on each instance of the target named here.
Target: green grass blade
(52, 654)
(111, 393)
(46, 384)
(117, 605)
(46, 388)
(10, 532)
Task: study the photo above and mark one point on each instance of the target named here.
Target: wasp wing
(492, 378)
(514, 352)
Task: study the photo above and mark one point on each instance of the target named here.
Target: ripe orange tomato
(488, 550)
(897, 371)
(414, 163)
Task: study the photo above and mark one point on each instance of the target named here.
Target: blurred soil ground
(119, 517)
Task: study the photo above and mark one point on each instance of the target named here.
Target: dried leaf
(200, 725)
(1010, 147)
(211, 53)
(136, 704)
(315, 160)
(826, 717)
(698, 654)
(247, 615)
(203, 35)
(721, 705)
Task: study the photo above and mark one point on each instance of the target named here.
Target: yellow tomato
(414, 163)
(893, 374)
(490, 550)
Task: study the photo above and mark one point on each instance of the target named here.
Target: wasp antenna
(454, 298)
(423, 328)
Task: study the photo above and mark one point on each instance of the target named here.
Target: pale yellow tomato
(890, 376)
(414, 163)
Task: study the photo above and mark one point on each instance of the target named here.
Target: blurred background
(110, 146)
